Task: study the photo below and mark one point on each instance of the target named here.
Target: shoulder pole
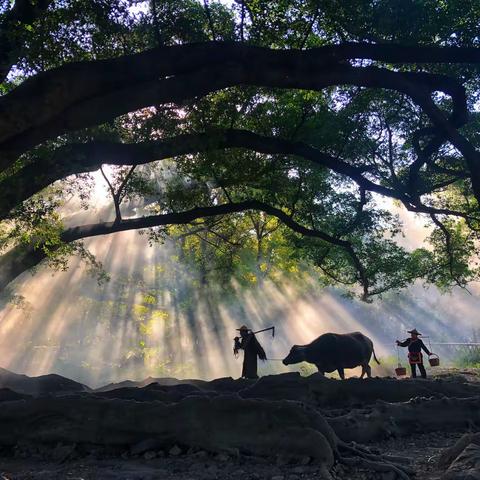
(265, 330)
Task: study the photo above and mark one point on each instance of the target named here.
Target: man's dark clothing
(252, 348)
(415, 357)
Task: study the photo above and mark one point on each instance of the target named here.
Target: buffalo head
(296, 355)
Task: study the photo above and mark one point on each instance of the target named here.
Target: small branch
(116, 203)
(121, 189)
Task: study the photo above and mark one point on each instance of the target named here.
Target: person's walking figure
(252, 349)
(415, 346)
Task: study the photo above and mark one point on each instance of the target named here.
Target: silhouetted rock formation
(44, 384)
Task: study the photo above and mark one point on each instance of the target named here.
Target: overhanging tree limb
(21, 258)
(81, 94)
(87, 157)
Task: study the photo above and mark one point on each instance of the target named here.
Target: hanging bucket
(434, 360)
(400, 371)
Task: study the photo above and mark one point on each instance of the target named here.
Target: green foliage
(468, 359)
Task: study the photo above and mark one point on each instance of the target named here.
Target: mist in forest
(155, 318)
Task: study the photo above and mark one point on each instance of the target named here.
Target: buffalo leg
(363, 371)
(368, 369)
(341, 373)
(320, 371)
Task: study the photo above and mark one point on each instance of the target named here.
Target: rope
(436, 343)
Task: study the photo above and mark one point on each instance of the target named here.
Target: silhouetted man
(252, 348)
(415, 346)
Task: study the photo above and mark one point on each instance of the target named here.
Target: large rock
(45, 384)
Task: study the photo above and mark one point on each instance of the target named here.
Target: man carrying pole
(252, 349)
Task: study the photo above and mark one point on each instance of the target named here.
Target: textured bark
(88, 157)
(226, 423)
(450, 454)
(323, 392)
(466, 466)
(402, 419)
(81, 94)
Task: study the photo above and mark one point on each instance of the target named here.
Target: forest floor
(420, 450)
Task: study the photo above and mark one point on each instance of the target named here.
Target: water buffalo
(335, 351)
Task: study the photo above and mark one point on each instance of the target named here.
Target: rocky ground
(419, 448)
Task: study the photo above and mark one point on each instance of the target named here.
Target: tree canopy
(262, 136)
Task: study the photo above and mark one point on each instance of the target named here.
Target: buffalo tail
(375, 357)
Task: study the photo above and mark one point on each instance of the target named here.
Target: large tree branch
(87, 157)
(21, 258)
(81, 94)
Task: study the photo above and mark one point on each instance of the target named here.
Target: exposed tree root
(225, 423)
(220, 424)
(358, 456)
(325, 393)
(450, 454)
(363, 452)
(239, 417)
(400, 419)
